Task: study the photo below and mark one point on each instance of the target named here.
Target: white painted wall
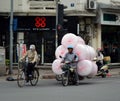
(78, 4)
(19, 5)
(108, 1)
(23, 5)
(104, 1)
(4, 5)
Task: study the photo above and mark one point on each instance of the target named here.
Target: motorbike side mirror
(60, 56)
(75, 57)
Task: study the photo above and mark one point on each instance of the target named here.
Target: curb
(53, 76)
(113, 73)
(50, 76)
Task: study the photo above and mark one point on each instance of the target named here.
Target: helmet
(70, 46)
(32, 47)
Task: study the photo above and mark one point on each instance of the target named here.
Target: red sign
(24, 49)
(40, 22)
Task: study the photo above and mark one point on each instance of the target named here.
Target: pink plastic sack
(60, 51)
(69, 39)
(84, 67)
(80, 40)
(94, 70)
(91, 52)
(56, 66)
(81, 51)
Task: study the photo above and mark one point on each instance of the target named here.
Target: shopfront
(39, 30)
(110, 29)
(44, 42)
(111, 40)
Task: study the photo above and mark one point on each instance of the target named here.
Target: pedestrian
(114, 53)
(106, 50)
(106, 53)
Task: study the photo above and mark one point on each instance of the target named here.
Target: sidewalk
(46, 73)
(115, 72)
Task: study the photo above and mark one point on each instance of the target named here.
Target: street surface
(96, 89)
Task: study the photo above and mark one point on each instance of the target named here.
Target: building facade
(35, 23)
(108, 19)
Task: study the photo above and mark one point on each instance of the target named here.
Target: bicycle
(22, 77)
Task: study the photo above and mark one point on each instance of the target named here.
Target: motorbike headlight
(71, 69)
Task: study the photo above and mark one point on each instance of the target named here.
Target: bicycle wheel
(65, 78)
(35, 77)
(21, 78)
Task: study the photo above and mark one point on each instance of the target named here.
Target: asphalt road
(96, 89)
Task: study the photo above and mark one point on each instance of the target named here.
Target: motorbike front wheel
(103, 75)
(65, 78)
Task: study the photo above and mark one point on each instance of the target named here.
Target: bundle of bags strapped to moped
(85, 67)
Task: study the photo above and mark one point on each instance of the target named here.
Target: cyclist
(72, 58)
(30, 58)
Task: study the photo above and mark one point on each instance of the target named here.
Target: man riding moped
(70, 60)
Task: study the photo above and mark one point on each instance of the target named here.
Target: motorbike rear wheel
(58, 77)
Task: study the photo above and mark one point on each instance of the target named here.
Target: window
(109, 17)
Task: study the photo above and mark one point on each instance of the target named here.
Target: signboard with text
(34, 23)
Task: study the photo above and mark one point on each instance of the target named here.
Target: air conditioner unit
(91, 4)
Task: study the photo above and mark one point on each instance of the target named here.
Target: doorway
(49, 47)
(111, 38)
(45, 44)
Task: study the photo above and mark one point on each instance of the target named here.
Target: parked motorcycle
(103, 70)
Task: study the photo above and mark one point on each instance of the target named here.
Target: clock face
(92, 4)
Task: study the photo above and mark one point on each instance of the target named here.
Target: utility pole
(56, 32)
(11, 37)
(10, 78)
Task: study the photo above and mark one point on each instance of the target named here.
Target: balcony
(29, 7)
(43, 7)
